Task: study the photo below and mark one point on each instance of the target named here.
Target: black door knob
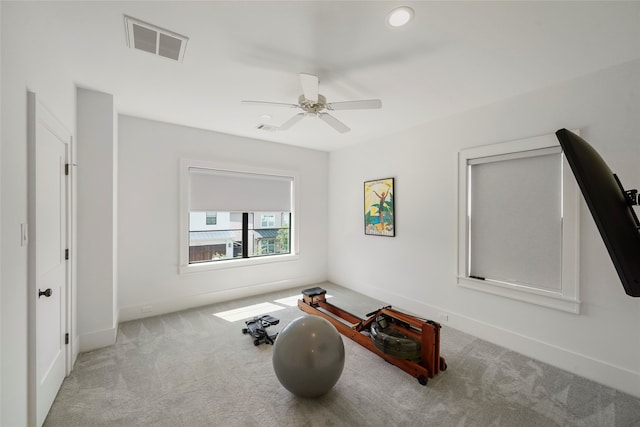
(47, 293)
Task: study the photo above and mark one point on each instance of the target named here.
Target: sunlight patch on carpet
(248, 311)
(292, 301)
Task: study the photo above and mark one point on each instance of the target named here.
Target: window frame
(183, 262)
(565, 299)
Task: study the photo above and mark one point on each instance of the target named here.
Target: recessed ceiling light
(400, 16)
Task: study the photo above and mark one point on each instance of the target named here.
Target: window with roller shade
(518, 222)
(240, 200)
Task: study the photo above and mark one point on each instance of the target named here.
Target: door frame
(37, 113)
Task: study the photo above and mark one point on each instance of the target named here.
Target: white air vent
(144, 36)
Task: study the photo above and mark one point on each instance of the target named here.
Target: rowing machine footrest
(313, 292)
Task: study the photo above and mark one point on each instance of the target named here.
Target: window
(212, 218)
(237, 237)
(213, 242)
(518, 222)
(267, 246)
(268, 221)
(236, 215)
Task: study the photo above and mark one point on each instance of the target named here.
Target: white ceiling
(452, 57)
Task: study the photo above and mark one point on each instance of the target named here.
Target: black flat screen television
(610, 206)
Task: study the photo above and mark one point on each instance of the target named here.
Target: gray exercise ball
(308, 356)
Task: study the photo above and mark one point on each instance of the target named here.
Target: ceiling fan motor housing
(309, 106)
(313, 104)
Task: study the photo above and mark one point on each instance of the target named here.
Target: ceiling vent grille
(158, 41)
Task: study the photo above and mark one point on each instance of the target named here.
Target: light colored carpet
(194, 369)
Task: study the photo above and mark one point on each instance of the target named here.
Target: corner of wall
(1, 400)
(97, 219)
(116, 313)
(98, 339)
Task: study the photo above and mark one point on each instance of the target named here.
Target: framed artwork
(379, 199)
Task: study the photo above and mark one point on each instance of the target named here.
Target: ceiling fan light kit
(312, 103)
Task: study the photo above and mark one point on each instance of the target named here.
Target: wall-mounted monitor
(611, 207)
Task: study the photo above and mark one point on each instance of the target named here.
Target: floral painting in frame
(379, 198)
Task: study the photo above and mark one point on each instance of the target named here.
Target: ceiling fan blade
(267, 127)
(310, 86)
(292, 121)
(355, 105)
(333, 122)
(276, 104)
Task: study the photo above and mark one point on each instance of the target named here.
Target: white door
(48, 272)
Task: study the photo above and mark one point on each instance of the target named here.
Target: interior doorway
(49, 241)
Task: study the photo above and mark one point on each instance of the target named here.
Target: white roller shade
(515, 218)
(219, 190)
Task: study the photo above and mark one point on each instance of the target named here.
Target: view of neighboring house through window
(236, 231)
(235, 215)
(268, 246)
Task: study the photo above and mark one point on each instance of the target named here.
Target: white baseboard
(75, 349)
(154, 308)
(596, 370)
(96, 340)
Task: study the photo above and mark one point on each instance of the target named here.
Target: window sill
(234, 263)
(541, 297)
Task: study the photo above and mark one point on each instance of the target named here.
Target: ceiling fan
(314, 104)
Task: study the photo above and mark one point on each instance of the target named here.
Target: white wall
(420, 262)
(97, 220)
(417, 269)
(0, 214)
(148, 220)
(28, 63)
